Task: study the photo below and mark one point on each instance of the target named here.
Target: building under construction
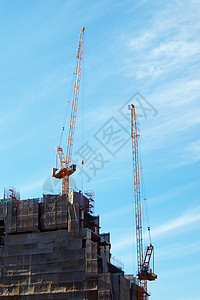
(52, 248)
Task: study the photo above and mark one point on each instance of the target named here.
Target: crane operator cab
(60, 173)
(147, 274)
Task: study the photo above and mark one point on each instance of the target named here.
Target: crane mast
(137, 195)
(65, 167)
(143, 263)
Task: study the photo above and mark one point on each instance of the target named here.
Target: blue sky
(150, 47)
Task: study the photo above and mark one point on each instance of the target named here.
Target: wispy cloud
(181, 271)
(193, 151)
(117, 212)
(167, 44)
(164, 56)
(189, 217)
(178, 249)
(30, 187)
(171, 194)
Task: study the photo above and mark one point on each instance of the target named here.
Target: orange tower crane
(65, 166)
(143, 261)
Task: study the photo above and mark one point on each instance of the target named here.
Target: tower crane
(143, 261)
(65, 167)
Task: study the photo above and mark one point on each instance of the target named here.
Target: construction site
(53, 248)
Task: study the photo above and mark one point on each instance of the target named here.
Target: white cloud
(169, 42)
(171, 194)
(194, 150)
(164, 57)
(32, 186)
(189, 217)
(117, 212)
(181, 271)
(188, 155)
(177, 250)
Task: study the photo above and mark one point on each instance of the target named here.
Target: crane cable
(66, 111)
(144, 193)
(83, 115)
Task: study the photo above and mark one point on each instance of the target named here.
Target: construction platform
(53, 249)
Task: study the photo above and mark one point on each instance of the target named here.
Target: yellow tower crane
(143, 261)
(65, 167)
